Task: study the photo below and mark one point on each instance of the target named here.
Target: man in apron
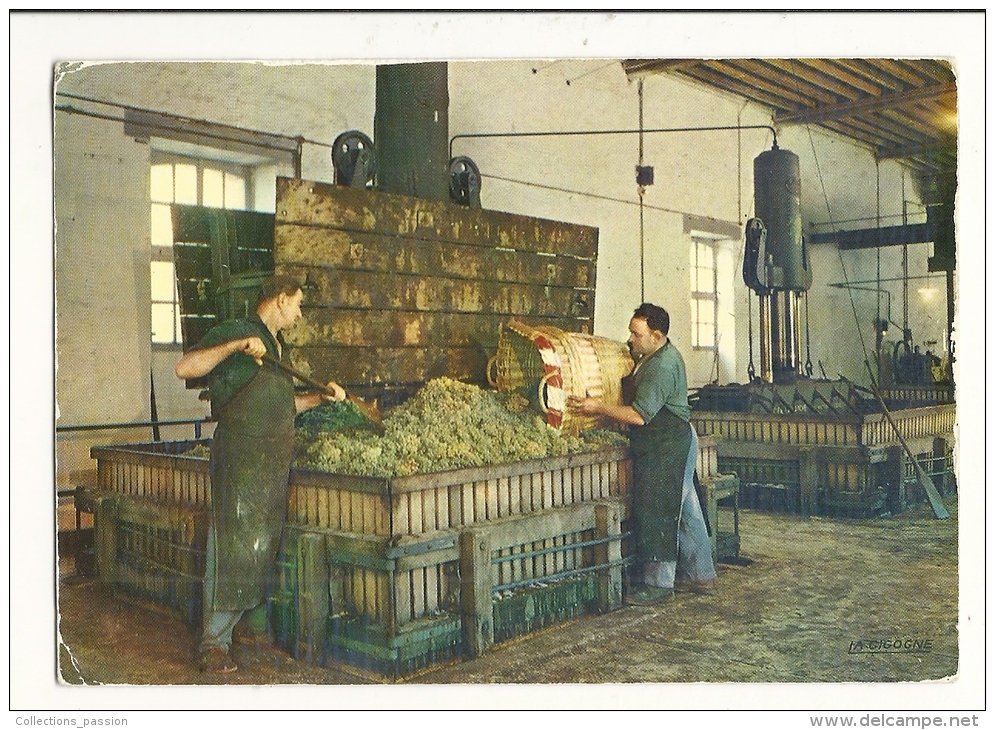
(254, 404)
(666, 513)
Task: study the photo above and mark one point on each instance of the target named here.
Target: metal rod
(935, 500)
(296, 154)
(565, 574)
(642, 195)
(852, 284)
(575, 133)
(557, 549)
(136, 424)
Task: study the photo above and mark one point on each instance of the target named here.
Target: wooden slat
(402, 591)
(491, 498)
(345, 507)
(431, 589)
(319, 204)
(312, 506)
(328, 327)
(514, 494)
(469, 504)
(361, 366)
(428, 509)
(416, 515)
(344, 288)
(338, 249)
(455, 501)
(418, 592)
(547, 489)
(442, 508)
(479, 501)
(503, 497)
(371, 595)
(532, 492)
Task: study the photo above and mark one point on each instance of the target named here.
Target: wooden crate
(164, 471)
(721, 500)
(394, 575)
(395, 606)
(419, 503)
(153, 551)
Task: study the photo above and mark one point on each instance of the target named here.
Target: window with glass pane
(704, 294)
(189, 181)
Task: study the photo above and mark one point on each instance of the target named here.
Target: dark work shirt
(232, 374)
(661, 382)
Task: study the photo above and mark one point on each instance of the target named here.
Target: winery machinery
(815, 445)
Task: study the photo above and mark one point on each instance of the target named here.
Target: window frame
(699, 296)
(207, 159)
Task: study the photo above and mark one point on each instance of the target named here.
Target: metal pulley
(354, 159)
(464, 182)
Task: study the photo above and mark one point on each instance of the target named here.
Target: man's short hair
(656, 317)
(277, 284)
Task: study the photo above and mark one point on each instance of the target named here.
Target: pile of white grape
(446, 425)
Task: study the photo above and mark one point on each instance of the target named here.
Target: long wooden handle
(367, 409)
(306, 379)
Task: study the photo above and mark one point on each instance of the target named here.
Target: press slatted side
(399, 287)
(153, 551)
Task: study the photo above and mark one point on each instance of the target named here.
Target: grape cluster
(446, 425)
(200, 451)
(330, 416)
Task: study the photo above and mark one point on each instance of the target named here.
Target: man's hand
(588, 406)
(595, 407)
(338, 390)
(198, 362)
(253, 347)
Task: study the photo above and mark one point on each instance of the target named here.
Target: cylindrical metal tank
(777, 197)
(776, 263)
(411, 129)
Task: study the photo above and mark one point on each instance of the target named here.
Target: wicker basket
(547, 364)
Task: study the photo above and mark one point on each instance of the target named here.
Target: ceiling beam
(756, 74)
(817, 76)
(937, 150)
(875, 237)
(657, 65)
(881, 103)
(847, 75)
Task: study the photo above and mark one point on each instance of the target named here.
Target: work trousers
(220, 624)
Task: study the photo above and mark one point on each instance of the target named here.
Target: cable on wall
(641, 131)
(593, 132)
(642, 197)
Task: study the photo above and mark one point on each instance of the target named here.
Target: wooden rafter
(897, 107)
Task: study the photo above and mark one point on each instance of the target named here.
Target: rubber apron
(659, 455)
(252, 449)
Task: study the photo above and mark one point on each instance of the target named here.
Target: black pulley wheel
(464, 182)
(353, 159)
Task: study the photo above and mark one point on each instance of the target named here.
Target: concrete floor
(805, 592)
